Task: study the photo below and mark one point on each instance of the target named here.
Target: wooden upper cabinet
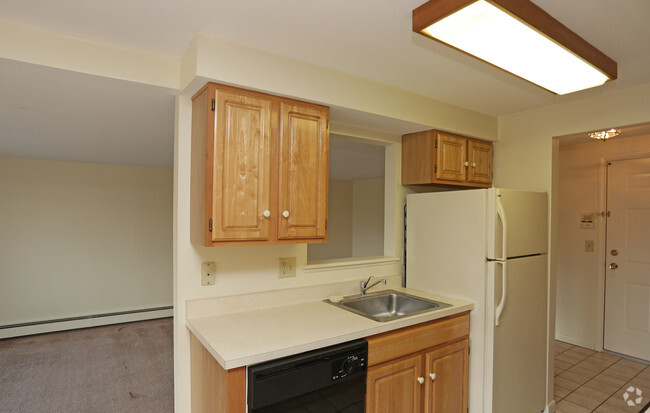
(241, 167)
(304, 171)
(435, 157)
(480, 162)
(451, 157)
(255, 156)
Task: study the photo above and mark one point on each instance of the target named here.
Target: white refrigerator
(489, 246)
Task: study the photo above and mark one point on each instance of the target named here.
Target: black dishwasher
(331, 379)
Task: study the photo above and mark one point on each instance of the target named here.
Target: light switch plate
(287, 267)
(208, 273)
(589, 245)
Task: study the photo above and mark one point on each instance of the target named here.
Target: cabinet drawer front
(399, 343)
(303, 177)
(241, 167)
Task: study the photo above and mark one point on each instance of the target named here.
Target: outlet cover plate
(287, 267)
(208, 273)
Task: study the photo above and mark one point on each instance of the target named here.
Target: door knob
(466, 163)
(613, 266)
(614, 252)
(473, 164)
(420, 380)
(267, 213)
(285, 214)
(433, 376)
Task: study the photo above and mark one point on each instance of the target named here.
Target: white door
(627, 276)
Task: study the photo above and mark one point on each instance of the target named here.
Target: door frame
(601, 253)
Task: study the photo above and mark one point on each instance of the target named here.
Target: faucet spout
(365, 287)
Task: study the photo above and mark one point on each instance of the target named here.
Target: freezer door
(516, 348)
(517, 223)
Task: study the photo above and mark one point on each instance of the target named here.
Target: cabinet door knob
(613, 266)
(421, 380)
(433, 376)
(267, 213)
(466, 163)
(285, 214)
(473, 164)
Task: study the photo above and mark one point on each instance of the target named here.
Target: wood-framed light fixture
(519, 37)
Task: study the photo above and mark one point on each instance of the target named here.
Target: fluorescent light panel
(491, 34)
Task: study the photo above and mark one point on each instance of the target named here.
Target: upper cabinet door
(241, 158)
(480, 162)
(303, 171)
(451, 158)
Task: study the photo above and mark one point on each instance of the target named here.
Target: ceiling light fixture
(603, 135)
(518, 37)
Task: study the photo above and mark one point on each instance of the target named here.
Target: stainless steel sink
(388, 305)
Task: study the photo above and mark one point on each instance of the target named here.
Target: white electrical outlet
(208, 273)
(287, 267)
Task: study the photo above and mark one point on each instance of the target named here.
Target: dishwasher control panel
(346, 366)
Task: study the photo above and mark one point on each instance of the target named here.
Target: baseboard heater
(69, 323)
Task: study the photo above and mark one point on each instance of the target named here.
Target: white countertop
(250, 337)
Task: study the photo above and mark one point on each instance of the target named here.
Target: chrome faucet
(365, 287)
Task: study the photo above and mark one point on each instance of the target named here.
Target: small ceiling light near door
(518, 37)
(603, 135)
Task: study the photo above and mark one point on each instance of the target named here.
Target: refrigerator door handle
(504, 230)
(504, 292)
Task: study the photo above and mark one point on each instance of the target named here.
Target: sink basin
(388, 305)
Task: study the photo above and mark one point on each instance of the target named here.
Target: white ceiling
(366, 38)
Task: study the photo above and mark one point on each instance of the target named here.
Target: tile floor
(587, 381)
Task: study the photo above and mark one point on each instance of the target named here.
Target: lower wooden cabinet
(393, 386)
(431, 379)
(214, 389)
(445, 374)
(422, 368)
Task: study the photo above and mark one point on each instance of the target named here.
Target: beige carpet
(109, 369)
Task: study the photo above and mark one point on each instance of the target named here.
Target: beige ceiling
(366, 38)
(48, 113)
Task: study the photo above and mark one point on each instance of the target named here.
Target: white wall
(356, 221)
(81, 239)
(339, 224)
(368, 217)
(525, 156)
(579, 316)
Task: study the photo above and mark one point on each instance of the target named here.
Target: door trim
(601, 254)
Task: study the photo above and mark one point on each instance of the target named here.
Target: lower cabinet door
(395, 387)
(446, 378)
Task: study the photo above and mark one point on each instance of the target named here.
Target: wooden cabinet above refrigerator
(435, 157)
